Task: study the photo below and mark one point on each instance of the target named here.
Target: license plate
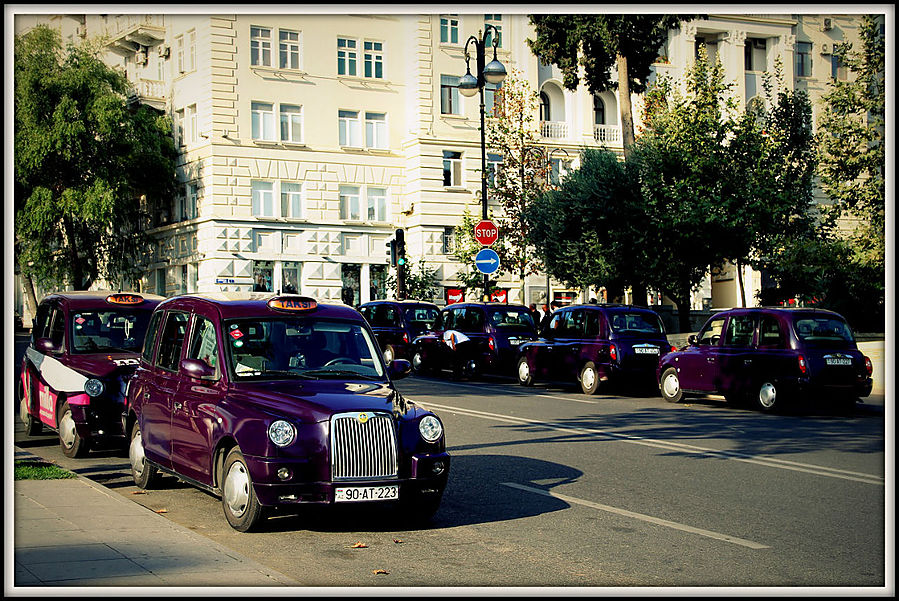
(366, 493)
(838, 361)
(646, 350)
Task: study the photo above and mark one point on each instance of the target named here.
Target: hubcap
(671, 385)
(588, 378)
(67, 429)
(388, 355)
(767, 395)
(416, 360)
(136, 455)
(524, 371)
(23, 411)
(237, 489)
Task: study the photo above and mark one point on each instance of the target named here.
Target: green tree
(421, 281)
(852, 145)
(85, 161)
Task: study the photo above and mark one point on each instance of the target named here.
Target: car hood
(104, 365)
(316, 401)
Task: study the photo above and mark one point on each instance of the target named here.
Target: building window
(449, 29)
(263, 116)
(599, 111)
(190, 121)
(373, 56)
(558, 169)
(349, 203)
(754, 53)
(263, 199)
(490, 90)
(377, 204)
(350, 129)
(544, 107)
(803, 59)
(179, 53)
(160, 281)
(449, 95)
(346, 56)
(291, 123)
(838, 69)
(260, 47)
(291, 200)
(192, 197)
(452, 169)
(191, 58)
(376, 130)
(494, 166)
(449, 235)
(179, 126)
(289, 49)
(290, 277)
(496, 21)
(262, 276)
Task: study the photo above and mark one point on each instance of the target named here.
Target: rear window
(638, 323)
(823, 331)
(382, 316)
(421, 318)
(511, 318)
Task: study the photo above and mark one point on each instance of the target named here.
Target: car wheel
(670, 386)
(242, 508)
(589, 378)
(389, 354)
(418, 362)
(32, 424)
(69, 440)
(145, 476)
(525, 378)
(766, 396)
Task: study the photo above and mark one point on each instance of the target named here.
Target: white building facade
(307, 139)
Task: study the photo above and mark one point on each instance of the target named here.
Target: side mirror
(399, 369)
(197, 368)
(45, 345)
(691, 339)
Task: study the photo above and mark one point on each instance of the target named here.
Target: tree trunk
(75, 269)
(740, 280)
(683, 312)
(30, 296)
(624, 100)
(639, 292)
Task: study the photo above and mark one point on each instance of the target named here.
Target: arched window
(544, 107)
(599, 111)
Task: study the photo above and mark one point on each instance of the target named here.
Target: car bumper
(811, 390)
(273, 491)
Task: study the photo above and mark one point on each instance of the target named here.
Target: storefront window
(262, 276)
(350, 276)
(378, 275)
(290, 277)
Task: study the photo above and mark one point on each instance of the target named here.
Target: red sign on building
(454, 295)
(499, 296)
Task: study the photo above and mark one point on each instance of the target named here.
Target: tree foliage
(421, 281)
(84, 157)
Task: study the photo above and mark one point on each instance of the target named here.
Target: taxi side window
(202, 342)
(172, 338)
(770, 334)
(740, 329)
(591, 329)
(42, 321)
(150, 339)
(574, 325)
(557, 324)
(711, 334)
(449, 319)
(57, 331)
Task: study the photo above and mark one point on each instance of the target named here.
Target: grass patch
(29, 469)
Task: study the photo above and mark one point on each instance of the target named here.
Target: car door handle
(710, 359)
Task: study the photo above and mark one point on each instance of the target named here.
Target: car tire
(145, 476)
(239, 502)
(669, 385)
(70, 441)
(767, 397)
(589, 378)
(33, 425)
(525, 377)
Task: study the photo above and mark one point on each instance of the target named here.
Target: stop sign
(485, 232)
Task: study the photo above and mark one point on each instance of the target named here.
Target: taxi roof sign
(292, 304)
(123, 298)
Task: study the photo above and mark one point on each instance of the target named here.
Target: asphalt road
(550, 488)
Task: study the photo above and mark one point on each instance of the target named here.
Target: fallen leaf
(379, 571)
(359, 545)
(397, 541)
(139, 492)
(162, 511)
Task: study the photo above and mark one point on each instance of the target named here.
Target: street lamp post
(493, 72)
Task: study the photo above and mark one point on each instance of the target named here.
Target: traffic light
(391, 251)
(400, 248)
(400, 239)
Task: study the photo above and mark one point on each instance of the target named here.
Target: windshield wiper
(342, 373)
(276, 372)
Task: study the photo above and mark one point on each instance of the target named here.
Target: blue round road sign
(487, 261)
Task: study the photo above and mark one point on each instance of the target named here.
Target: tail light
(803, 368)
(406, 337)
(613, 352)
(491, 343)
(673, 348)
(869, 367)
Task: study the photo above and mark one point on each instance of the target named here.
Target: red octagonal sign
(485, 232)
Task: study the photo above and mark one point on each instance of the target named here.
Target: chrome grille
(363, 446)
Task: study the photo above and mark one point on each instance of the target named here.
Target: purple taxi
(276, 402)
(769, 356)
(84, 346)
(596, 345)
(396, 323)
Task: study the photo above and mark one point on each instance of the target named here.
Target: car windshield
(511, 318)
(421, 319)
(109, 331)
(300, 347)
(636, 323)
(820, 331)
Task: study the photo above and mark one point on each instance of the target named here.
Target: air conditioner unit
(826, 48)
(164, 51)
(828, 24)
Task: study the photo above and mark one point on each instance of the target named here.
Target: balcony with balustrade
(607, 135)
(554, 130)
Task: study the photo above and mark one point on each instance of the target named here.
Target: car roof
(781, 310)
(388, 301)
(482, 304)
(255, 304)
(87, 299)
(607, 306)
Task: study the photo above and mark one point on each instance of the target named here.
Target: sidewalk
(76, 533)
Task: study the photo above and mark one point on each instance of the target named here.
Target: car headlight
(94, 387)
(430, 428)
(282, 433)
